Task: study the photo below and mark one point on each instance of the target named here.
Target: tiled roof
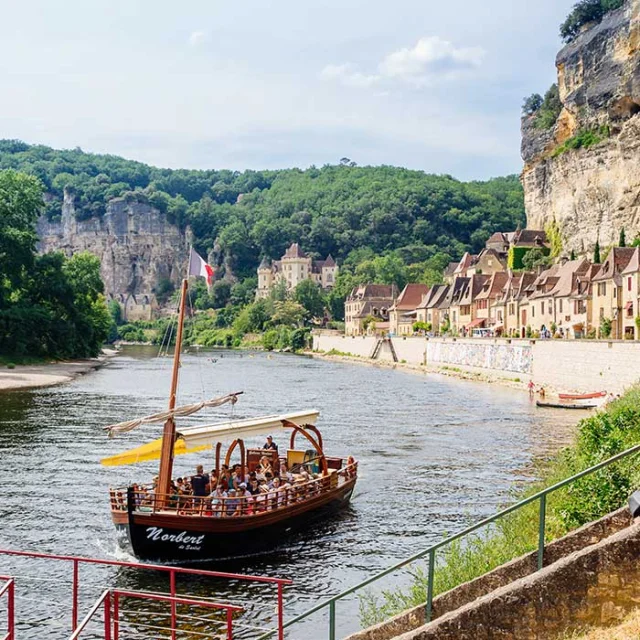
(616, 262)
(633, 265)
(365, 291)
(491, 288)
(411, 296)
(294, 251)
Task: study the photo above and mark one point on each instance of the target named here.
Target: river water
(435, 454)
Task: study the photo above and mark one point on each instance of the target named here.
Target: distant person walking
(531, 388)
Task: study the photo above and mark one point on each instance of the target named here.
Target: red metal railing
(8, 588)
(173, 598)
(111, 617)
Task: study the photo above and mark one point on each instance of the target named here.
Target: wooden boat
(564, 405)
(582, 396)
(162, 525)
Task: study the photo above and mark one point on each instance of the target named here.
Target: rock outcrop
(136, 245)
(591, 192)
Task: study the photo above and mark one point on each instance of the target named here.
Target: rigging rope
(186, 410)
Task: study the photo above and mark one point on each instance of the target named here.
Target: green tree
(535, 258)
(596, 253)
(531, 104)
(605, 327)
(584, 12)
(309, 295)
(573, 255)
(622, 242)
(547, 114)
(288, 313)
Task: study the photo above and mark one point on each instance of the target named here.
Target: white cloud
(348, 75)
(197, 38)
(431, 56)
(429, 60)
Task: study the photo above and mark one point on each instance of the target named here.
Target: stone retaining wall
(450, 601)
(565, 365)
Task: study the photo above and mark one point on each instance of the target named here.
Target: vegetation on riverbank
(599, 437)
(50, 306)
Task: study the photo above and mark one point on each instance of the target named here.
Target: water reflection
(435, 454)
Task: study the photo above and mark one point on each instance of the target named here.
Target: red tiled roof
(411, 296)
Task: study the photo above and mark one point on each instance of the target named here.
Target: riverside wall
(563, 365)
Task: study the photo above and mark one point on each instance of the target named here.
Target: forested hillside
(355, 213)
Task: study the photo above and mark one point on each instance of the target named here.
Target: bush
(583, 140)
(583, 13)
(550, 109)
(605, 327)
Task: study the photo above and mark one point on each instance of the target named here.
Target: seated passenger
(232, 504)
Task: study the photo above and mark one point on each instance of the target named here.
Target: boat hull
(558, 405)
(582, 396)
(174, 538)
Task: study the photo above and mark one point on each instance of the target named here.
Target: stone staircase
(591, 578)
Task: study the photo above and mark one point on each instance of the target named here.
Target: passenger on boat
(199, 482)
(263, 468)
(254, 487)
(232, 504)
(270, 444)
(217, 500)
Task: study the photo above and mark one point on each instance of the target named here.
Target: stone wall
(562, 365)
(468, 592)
(593, 587)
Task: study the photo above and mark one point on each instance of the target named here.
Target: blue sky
(276, 83)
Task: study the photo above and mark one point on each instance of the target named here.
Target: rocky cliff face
(137, 247)
(591, 192)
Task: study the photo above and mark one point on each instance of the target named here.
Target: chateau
(294, 267)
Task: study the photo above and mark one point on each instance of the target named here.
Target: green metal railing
(541, 497)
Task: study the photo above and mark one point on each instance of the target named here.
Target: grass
(11, 362)
(599, 437)
(335, 352)
(583, 140)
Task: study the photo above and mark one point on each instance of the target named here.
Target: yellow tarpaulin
(149, 451)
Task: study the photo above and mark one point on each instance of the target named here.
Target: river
(435, 454)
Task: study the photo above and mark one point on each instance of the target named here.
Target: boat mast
(169, 433)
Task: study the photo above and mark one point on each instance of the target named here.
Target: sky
(266, 84)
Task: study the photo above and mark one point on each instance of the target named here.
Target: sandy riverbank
(49, 374)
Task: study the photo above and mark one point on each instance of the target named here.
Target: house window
(629, 283)
(560, 303)
(602, 288)
(630, 310)
(499, 316)
(550, 307)
(512, 309)
(542, 308)
(533, 310)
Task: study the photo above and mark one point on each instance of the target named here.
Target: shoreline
(50, 374)
(451, 372)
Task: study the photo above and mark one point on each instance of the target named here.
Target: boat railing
(224, 506)
(8, 589)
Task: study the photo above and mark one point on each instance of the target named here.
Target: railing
(8, 588)
(540, 497)
(225, 507)
(172, 571)
(111, 617)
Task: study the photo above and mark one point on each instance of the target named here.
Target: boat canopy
(201, 438)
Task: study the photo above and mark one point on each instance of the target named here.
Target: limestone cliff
(137, 247)
(591, 192)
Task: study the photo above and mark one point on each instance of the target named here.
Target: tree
(622, 242)
(531, 104)
(309, 295)
(573, 255)
(288, 313)
(534, 258)
(583, 12)
(605, 327)
(596, 253)
(550, 109)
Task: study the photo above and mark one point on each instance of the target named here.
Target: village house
(368, 305)
(294, 267)
(486, 310)
(139, 306)
(631, 296)
(508, 304)
(581, 301)
(607, 292)
(402, 313)
(429, 310)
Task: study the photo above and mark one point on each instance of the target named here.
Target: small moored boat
(564, 405)
(582, 396)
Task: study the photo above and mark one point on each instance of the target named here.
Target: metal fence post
(332, 620)
(107, 616)
(172, 590)
(229, 624)
(11, 612)
(74, 601)
(116, 615)
(280, 612)
(432, 568)
(542, 523)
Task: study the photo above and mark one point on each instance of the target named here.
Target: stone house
(581, 301)
(463, 303)
(486, 310)
(607, 290)
(508, 304)
(631, 296)
(139, 306)
(429, 310)
(365, 301)
(402, 313)
(294, 267)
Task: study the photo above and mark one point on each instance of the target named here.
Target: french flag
(198, 267)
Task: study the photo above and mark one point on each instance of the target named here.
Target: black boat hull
(156, 539)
